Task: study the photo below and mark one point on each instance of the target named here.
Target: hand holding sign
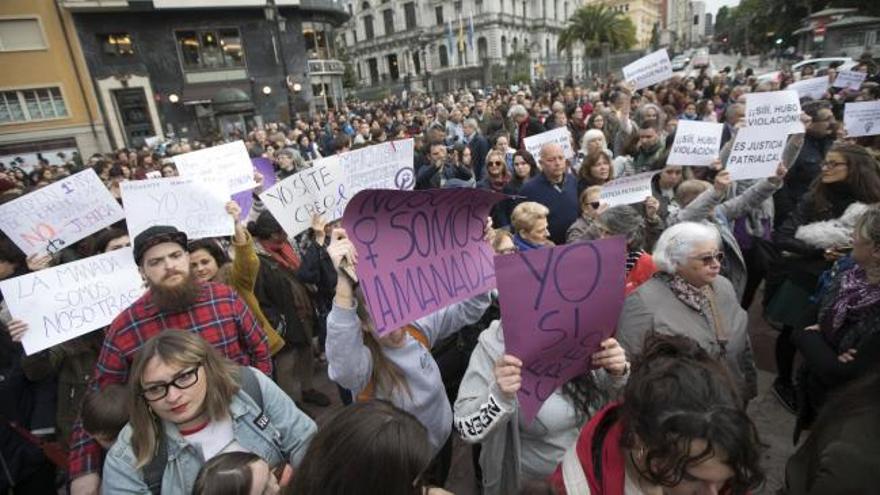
(558, 306)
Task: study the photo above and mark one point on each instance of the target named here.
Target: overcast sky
(712, 6)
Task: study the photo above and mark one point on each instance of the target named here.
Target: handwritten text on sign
(778, 109)
(557, 306)
(649, 70)
(560, 136)
(72, 299)
(195, 206)
(59, 214)
(628, 190)
(229, 162)
(849, 79)
(327, 186)
(862, 118)
(756, 153)
(696, 143)
(419, 251)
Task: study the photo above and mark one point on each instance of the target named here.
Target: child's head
(105, 412)
(236, 472)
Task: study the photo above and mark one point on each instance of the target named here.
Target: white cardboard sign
(327, 186)
(776, 109)
(696, 143)
(814, 87)
(648, 70)
(73, 299)
(560, 136)
(862, 118)
(55, 216)
(849, 79)
(628, 190)
(229, 161)
(195, 206)
(756, 152)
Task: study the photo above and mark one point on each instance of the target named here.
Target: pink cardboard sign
(557, 306)
(419, 251)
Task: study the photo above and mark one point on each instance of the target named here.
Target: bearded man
(174, 300)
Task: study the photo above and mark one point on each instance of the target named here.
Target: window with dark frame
(116, 44)
(409, 13)
(388, 21)
(210, 48)
(438, 12)
(368, 27)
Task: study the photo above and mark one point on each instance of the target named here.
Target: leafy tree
(595, 24)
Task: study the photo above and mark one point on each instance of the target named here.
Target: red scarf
(282, 252)
(613, 463)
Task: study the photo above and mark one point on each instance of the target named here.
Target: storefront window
(317, 36)
(210, 49)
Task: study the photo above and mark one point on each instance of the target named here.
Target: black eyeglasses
(707, 259)
(495, 162)
(185, 379)
(594, 205)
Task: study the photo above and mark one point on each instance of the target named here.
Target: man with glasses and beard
(174, 299)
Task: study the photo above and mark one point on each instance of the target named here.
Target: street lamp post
(279, 25)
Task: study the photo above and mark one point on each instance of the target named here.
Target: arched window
(444, 56)
(514, 47)
(547, 47)
(482, 49)
(365, 6)
(504, 47)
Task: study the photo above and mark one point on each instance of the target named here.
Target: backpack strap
(155, 469)
(370, 390)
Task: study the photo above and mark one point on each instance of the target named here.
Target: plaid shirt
(218, 315)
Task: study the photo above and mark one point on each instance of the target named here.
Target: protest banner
(627, 190)
(419, 251)
(245, 199)
(55, 216)
(649, 70)
(195, 206)
(229, 161)
(849, 79)
(560, 136)
(72, 299)
(329, 184)
(862, 118)
(696, 143)
(814, 87)
(756, 152)
(779, 109)
(557, 306)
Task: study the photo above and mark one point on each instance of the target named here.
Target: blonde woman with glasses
(188, 405)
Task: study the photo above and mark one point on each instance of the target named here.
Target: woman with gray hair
(624, 220)
(689, 297)
(289, 162)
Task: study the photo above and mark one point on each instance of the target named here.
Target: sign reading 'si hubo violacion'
(777, 109)
(696, 143)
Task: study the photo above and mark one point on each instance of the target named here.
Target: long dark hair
(212, 247)
(862, 178)
(585, 173)
(533, 167)
(367, 447)
(677, 394)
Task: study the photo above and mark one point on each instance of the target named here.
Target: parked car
(680, 62)
(821, 66)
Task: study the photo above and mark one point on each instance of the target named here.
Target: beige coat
(653, 307)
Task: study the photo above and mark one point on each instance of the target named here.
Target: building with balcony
(47, 105)
(839, 32)
(194, 69)
(439, 46)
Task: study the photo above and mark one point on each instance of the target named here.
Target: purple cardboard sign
(557, 305)
(245, 198)
(419, 251)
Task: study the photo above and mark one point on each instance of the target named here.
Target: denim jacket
(284, 440)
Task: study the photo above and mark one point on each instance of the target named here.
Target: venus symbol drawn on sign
(364, 228)
(404, 178)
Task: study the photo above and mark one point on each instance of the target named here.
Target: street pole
(279, 26)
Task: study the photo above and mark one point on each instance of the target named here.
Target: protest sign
(756, 152)
(648, 70)
(862, 118)
(329, 184)
(245, 199)
(814, 87)
(696, 143)
(849, 79)
(154, 174)
(195, 206)
(779, 109)
(229, 161)
(627, 190)
(152, 141)
(419, 251)
(557, 306)
(53, 217)
(69, 300)
(560, 136)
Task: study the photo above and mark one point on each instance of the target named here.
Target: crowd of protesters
(200, 386)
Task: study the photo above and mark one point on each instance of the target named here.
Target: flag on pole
(460, 34)
(450, 44)
(471, 31)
